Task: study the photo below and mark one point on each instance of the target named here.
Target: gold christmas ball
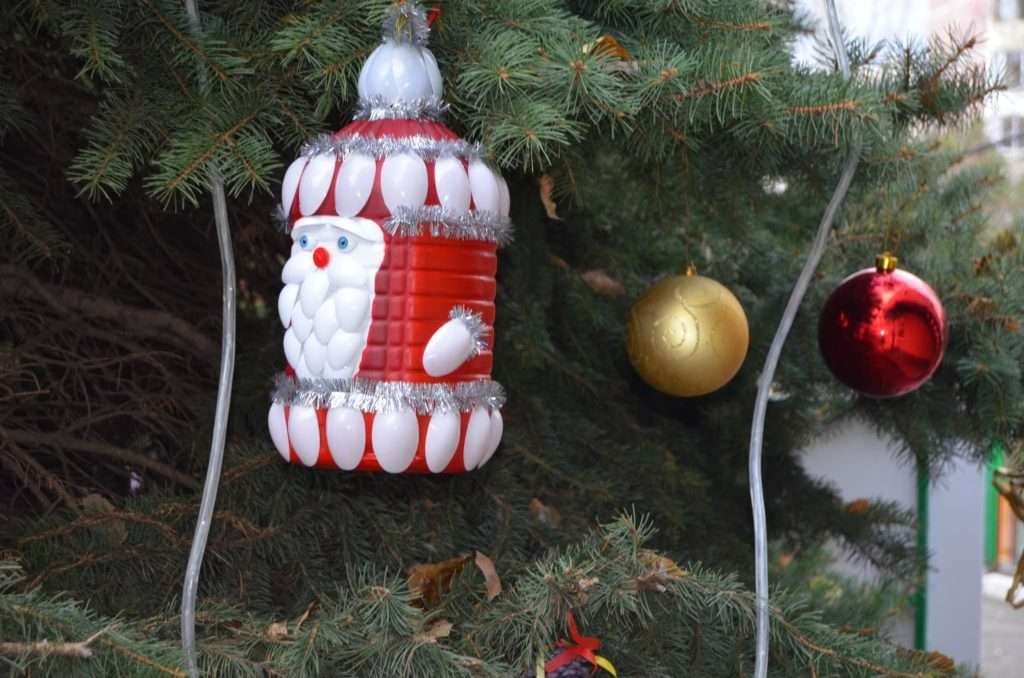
(687, 335)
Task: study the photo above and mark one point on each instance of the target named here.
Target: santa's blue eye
(345, 243)
(304, 241)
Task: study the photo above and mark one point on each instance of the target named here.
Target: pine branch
(43, 648)
(150, 323)
(37, 439)
(731, 25)
(708, 88)
(221, 62)
(825, 109)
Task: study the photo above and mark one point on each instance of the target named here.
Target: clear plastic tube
(771, 362)
(220, 422)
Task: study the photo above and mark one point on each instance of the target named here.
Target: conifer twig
(706, 88)
(69, 442)
(843, 659)
(730, 25)
(820, 109)
(144, 321)
(190, 45)
(44, 648)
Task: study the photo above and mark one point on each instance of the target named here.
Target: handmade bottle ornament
(388, 299)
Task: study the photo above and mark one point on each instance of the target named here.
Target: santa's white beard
(327, 313)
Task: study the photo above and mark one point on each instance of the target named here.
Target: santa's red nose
(321, 257)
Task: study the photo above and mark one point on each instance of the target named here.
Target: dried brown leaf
(602, 283)
(941, 662)
(656, 561)
(491, 577)
(547, 515)
(662, 572)
(607, 46)
(277, 631)
(547, 191)
(559, 262)
(1005, 242)
(858, 507)
(430, 581)
(981, 265)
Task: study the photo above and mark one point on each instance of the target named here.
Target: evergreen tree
(664, 131)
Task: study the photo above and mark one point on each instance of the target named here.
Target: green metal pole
(996, 460)
(921, 597)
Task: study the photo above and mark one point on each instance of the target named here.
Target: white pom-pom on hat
(402, 68)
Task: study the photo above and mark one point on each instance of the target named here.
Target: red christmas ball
(883, 331)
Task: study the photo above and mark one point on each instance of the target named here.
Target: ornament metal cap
(886, 262)
(691, 270)
(406, 22)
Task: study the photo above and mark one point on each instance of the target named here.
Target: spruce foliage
(671, 131)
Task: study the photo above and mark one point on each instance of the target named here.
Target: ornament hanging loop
(406, 23)
(886, 262)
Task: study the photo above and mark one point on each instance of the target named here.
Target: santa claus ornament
(883, 330)
(388, 299)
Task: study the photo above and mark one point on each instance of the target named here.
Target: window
(1009, 9)
(1012, 132)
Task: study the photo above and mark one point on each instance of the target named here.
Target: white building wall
(858, 463)
(1004, 113)
(956, 540)
(861, 465)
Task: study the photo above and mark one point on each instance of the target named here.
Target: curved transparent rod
(771, 362)
(220, 422)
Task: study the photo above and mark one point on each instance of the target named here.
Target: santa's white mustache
(311, 286)
(325, 314)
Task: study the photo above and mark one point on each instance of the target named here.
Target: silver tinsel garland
(410, 222)
(425, 147)
(368, 395)
(381, 107)
(406, 22)
(444, 223)
(474, 322)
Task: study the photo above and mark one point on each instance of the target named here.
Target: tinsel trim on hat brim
(384, 108)
(379, 397)
(441, 222)
(382, 147)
